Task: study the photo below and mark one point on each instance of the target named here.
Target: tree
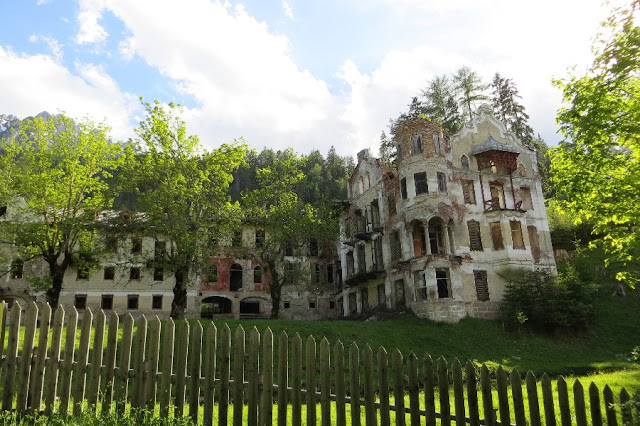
(440, 104)
(289, 223)
(505, 101)
(54, 170)
(387, 150)
(182, 192)
(469, 89)
(595, 170)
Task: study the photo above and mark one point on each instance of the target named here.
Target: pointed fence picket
(182, 367)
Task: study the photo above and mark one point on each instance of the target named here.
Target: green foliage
(470, 90)
(545, 303)
(134, 418)
(567, 230)
(505, 102)
(595, 169)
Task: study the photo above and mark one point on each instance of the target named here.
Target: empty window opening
(312, 304)
(377, 254)
(400, 299)
(83, 272)
(132, 302)
(416, 144)
(362, 263)
(259, 238)
(525, 196)
(392, 205)
(214, 305)
(236, 240)
(534, 242)
(159, 251)
(109, 273)
(496, 236)
(80, 301)
(364, 299)
(403, 188)
(330, 274)
(419, 239)
(249, 307)
(350, 264)
(436, 143)
(257, 275)
(382, 298)
(464, 161)
(287, 304)
(136, 245)
(332, 304)
(107, 302)
(17, 268)
(482, 286)
(436, 236)
(158, 274)
(420, 180)
(420, 284)
(212, 274)
(313, 247)
(111, 244)
(235, 279)
(516, 234)
(156, 301)
(442, 183)
(443, 283)
(134, 274)
(497, 196)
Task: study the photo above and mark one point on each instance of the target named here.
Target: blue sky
(302, 74)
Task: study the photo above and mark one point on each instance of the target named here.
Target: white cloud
(288, 10)
(54, 46)
(35, 83)
(88, 16)
(127, 48)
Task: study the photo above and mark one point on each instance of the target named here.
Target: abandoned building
(437, 233)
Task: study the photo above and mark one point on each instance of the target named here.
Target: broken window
(497, 196)
(80, 301)
(257, 275)
(109, 273)
(132, 302)
(516, 234)
(420, 284)
(134, 274)
(464, 161)
(158, 274)
(392, 205)
(482, 286)
(436, 143)
(420, 180)
(442, 183)
(375, 214)
(475, 238)
(436, 236)
(136, 245)
(403, 188)
(17, 268)
(395, 245)
(496, 236)
(362, 265)
(156, 301)
(377, 254)
(468, 192)
(442, 283)
(525, 196)
(107, 302)
(419, 239)
(259, 238)
(416, 144)
(534, 242)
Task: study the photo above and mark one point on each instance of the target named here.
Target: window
(522, 172)
(497, 196)
(257, 275)
(317, 276)
(80, 301)
(392, 204)
(288, 248)
(159, 250)
(420, 180)
(396, 246)
(350, 264)
(442, 283)
(375, 214)
(364, 299)
(312, 304)
(419, 283)
(109, 273)
(475, 238)
(416, 144)
(136, 245)
(362, 263)
(436, 142)
(468, 192)
(83, 272)
(287, 304)
(382, 298)
(17, 268)
(377, 254)
(134, 274)
(112, 244)
(361, 185)
(158, 274)
(525, 196)
(132, 302)
(330, 274)
(534, 242)
(403, 188)
(156, 301)
(436, 236)
(442, 183)
(259, 238)
(107, 302)
(236, 240)
(332, 304)
(399, 152)
(289, 272)
(516, 235)
(482, 287)
(496, 236)
(464, 161)
(313, 247)
(212, 274)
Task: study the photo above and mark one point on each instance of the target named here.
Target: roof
(493, 145)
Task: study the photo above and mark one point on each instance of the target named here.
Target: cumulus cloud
(54, 46)
(288, 10)
(88, 16)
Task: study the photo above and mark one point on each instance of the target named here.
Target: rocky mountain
(10, 122)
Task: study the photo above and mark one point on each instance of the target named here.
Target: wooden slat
(310, 366)
(503, 396)
(532, 396)
(209, 373)
(325, 382)
(398, 387)
(24, 371)
(67, 363)
(578, 403)
(225, 375)
(369, 390)
(80, 371)
(609, 402)
(168, 343)
(338, 365)
(625, 407)
(37, 377)
(429, 391)
(472, 395)
(252, 377)
(296, 381)
(414, 390)
(195, 368)
(149, 380)
(443, 386)
(138, 357)
(121, 384)
(354, 383)
(110, 362)
(283, 377)
(182, 354)
(547, 401)
(51, 373)
(383, 388)
(563, 402)
(266, 417)
(96, 360)
(458, 392)
(238, 375)
(518, 399)
(11, 358)
(596, 411)
(3, 325)
(487, 397)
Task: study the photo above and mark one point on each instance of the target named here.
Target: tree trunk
(275, 290)
(56, 273)
(179, 303)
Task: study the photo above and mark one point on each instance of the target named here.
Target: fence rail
(207, 374)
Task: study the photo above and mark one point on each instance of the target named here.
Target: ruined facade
(437, 233)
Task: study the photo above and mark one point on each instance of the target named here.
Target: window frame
(420, 182)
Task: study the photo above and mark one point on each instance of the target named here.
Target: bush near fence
(184, 370)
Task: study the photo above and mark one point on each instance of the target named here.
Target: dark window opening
(416, 144)
(109, 273)
(257, 275)
(419, 239)
(249, 307)
(107, 302)
(362, 263)
(332, 304)
(287, 304)
(214, 305)
(134, 274)
(464, 160)
(158, 274)
(420, 180)
(236, 240)
(132, 302)
(259, 238)
(80, 301)
(403, 188)
(17, 269)
(235, 280)
(313, 247)
(312, 304)
(136, 245)
(156, 301)
(442, 282)
(112, 244)
(159, 251)
(436, 142)
(392, 205)
(442, 183)
(83, 272)
(330, 274)
(212, 274)
(436, 236)
(288, 248)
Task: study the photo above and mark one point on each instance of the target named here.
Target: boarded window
(396, 246)
(516, 235)
(464, 161)
(392, 205)
(535, 243)
(416, 144)
(442, 183)
(496, 236)
(475, 238)
(442, 283)
(482, 287)
(403, 188)
(468, 192)
(420, 180)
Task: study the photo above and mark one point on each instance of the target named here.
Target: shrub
(546, 303)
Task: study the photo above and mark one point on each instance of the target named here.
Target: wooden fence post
(181, 367)
(518, 399)
(138, 355)
(110, 362)
(532, 396)
(325, 382)
(563, 402)
(67, 364)
(443, 386)
(594, 398)
(627, 417)
(24, 372)
(225, 375)
(196, 370)
(371, 415)
(167, 367)
(283, 377)
(252, 376)
(37, 376)
(398, 388)
(12, 358)
(238, 376)
(338, 362)
(503, 396)
(209, 374)
(458, 393)
(124, 362)
(80, 373)
(612, 420)
(96, 361)
(310, 366)
(354, 383)
(51, 374)
(383, 376)
(266, 411)
(472, 395)
(150, 377)
(429, 393)
(414, 389)
(296, 381)
(487, 397)
(547, 401)
(578, 402)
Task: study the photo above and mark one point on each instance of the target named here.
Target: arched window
(361, 185)
(212, 274)
(235, 278)
(464, 160)
(436, 236)
(522, 172)
(257, 275)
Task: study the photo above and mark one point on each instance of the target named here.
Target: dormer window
(416, 144)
